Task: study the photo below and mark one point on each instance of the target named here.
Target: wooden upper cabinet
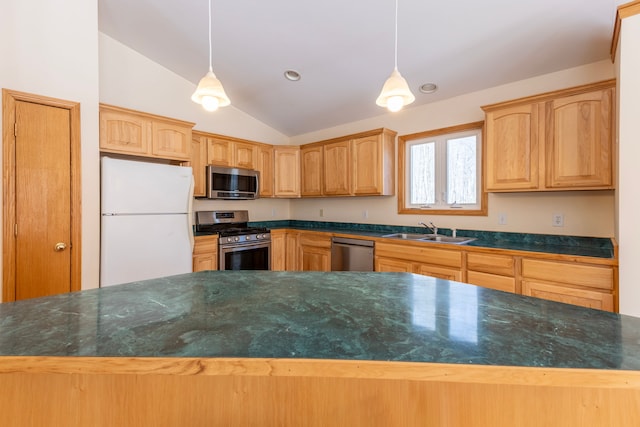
(311, 177)
(373, 164)
(219, 152)
(170, 140)
(287, 171)
(560, 140)
(265, 166)
(198, 162)
(337, 168)
(362, 164)
(512, 156)
(125, 131)
(245, 155)
(579, 140)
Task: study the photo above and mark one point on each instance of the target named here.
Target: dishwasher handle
(351, 242)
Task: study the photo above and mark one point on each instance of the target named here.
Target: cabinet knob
(60, 246)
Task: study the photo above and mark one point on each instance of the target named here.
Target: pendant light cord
(395, 63)
(210, 48)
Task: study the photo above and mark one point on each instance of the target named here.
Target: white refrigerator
(146, 221)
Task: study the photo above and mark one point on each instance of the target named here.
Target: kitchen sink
(406, 236)
(448, 239)
(430, 238)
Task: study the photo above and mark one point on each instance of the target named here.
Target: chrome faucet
(431, 227)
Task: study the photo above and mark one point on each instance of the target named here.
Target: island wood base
(79, 391)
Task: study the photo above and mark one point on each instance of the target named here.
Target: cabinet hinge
(15, 129)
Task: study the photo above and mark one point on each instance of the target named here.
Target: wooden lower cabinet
(441, 263)
(291, 251)
(205, 253)
(590, 286)
(315, 251)
(491, 271)
(278, 250)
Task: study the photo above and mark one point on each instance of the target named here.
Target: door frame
(9, 98)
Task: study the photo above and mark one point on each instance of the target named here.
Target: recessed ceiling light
(428, 88)
(292, 75)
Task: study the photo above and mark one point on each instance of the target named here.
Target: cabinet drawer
(573, 274)
(205, 245)
(492, 281)
(421, 254)
(494, 264)
(319, 240)
(568, 295)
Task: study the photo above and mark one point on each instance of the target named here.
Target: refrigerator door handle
(190, 215)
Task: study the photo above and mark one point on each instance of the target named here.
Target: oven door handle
(236, 247)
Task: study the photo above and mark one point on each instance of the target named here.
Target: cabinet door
(512, 148)
(245, 155)
(568, 295)
(278, 250)
(287, 171)
(579, 140)
(198, 163)
(125, 133)
(367, 166)
(392, 265)
(439, 272)
(337, 169)
(171, 141)
(219, 152)
(491, 263)
(313, 258)
(205, 262)
(265, 166)
(205, 253)
(291, 249)
(311, 171)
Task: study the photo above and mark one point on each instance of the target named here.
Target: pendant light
(210, 92)
(395, 92)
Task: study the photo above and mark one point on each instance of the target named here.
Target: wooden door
(265, 166)
(219, 152)
(41, 244)
(367, 165)
(198, 163)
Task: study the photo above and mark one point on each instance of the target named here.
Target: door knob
(60, 246)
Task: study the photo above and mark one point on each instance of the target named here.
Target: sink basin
(448, 239)
(406, 236)
(430, 238)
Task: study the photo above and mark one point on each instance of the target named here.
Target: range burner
(236, 231)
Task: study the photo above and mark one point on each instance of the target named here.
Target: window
(440, 171)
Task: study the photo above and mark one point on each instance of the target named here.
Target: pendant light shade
(395, 92)
(210, 92)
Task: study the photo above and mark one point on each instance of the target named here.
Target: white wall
(628, 62)
(51, 49)
(586, 213)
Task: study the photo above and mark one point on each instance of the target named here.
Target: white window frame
(440, 137)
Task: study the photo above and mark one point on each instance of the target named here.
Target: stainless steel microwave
(232, 183)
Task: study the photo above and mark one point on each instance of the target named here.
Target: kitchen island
(283, 348)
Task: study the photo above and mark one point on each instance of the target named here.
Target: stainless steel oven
(255, 255)
(240, 247)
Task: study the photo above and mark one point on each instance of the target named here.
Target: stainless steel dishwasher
(351, 254)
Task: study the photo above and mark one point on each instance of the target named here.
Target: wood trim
(148, 115)
(9, 98)
(227, 138)
(624, 11)
(76, 391)
(403, 139)
(547, 96)
(373, 132)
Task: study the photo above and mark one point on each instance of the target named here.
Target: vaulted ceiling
(344, 50)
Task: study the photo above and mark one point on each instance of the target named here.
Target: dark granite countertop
(353, 316)
(597, 247)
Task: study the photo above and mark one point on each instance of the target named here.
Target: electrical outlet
(321, 213)
(365, 214)
(558, 220)
(273, 213)
(502, 218)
